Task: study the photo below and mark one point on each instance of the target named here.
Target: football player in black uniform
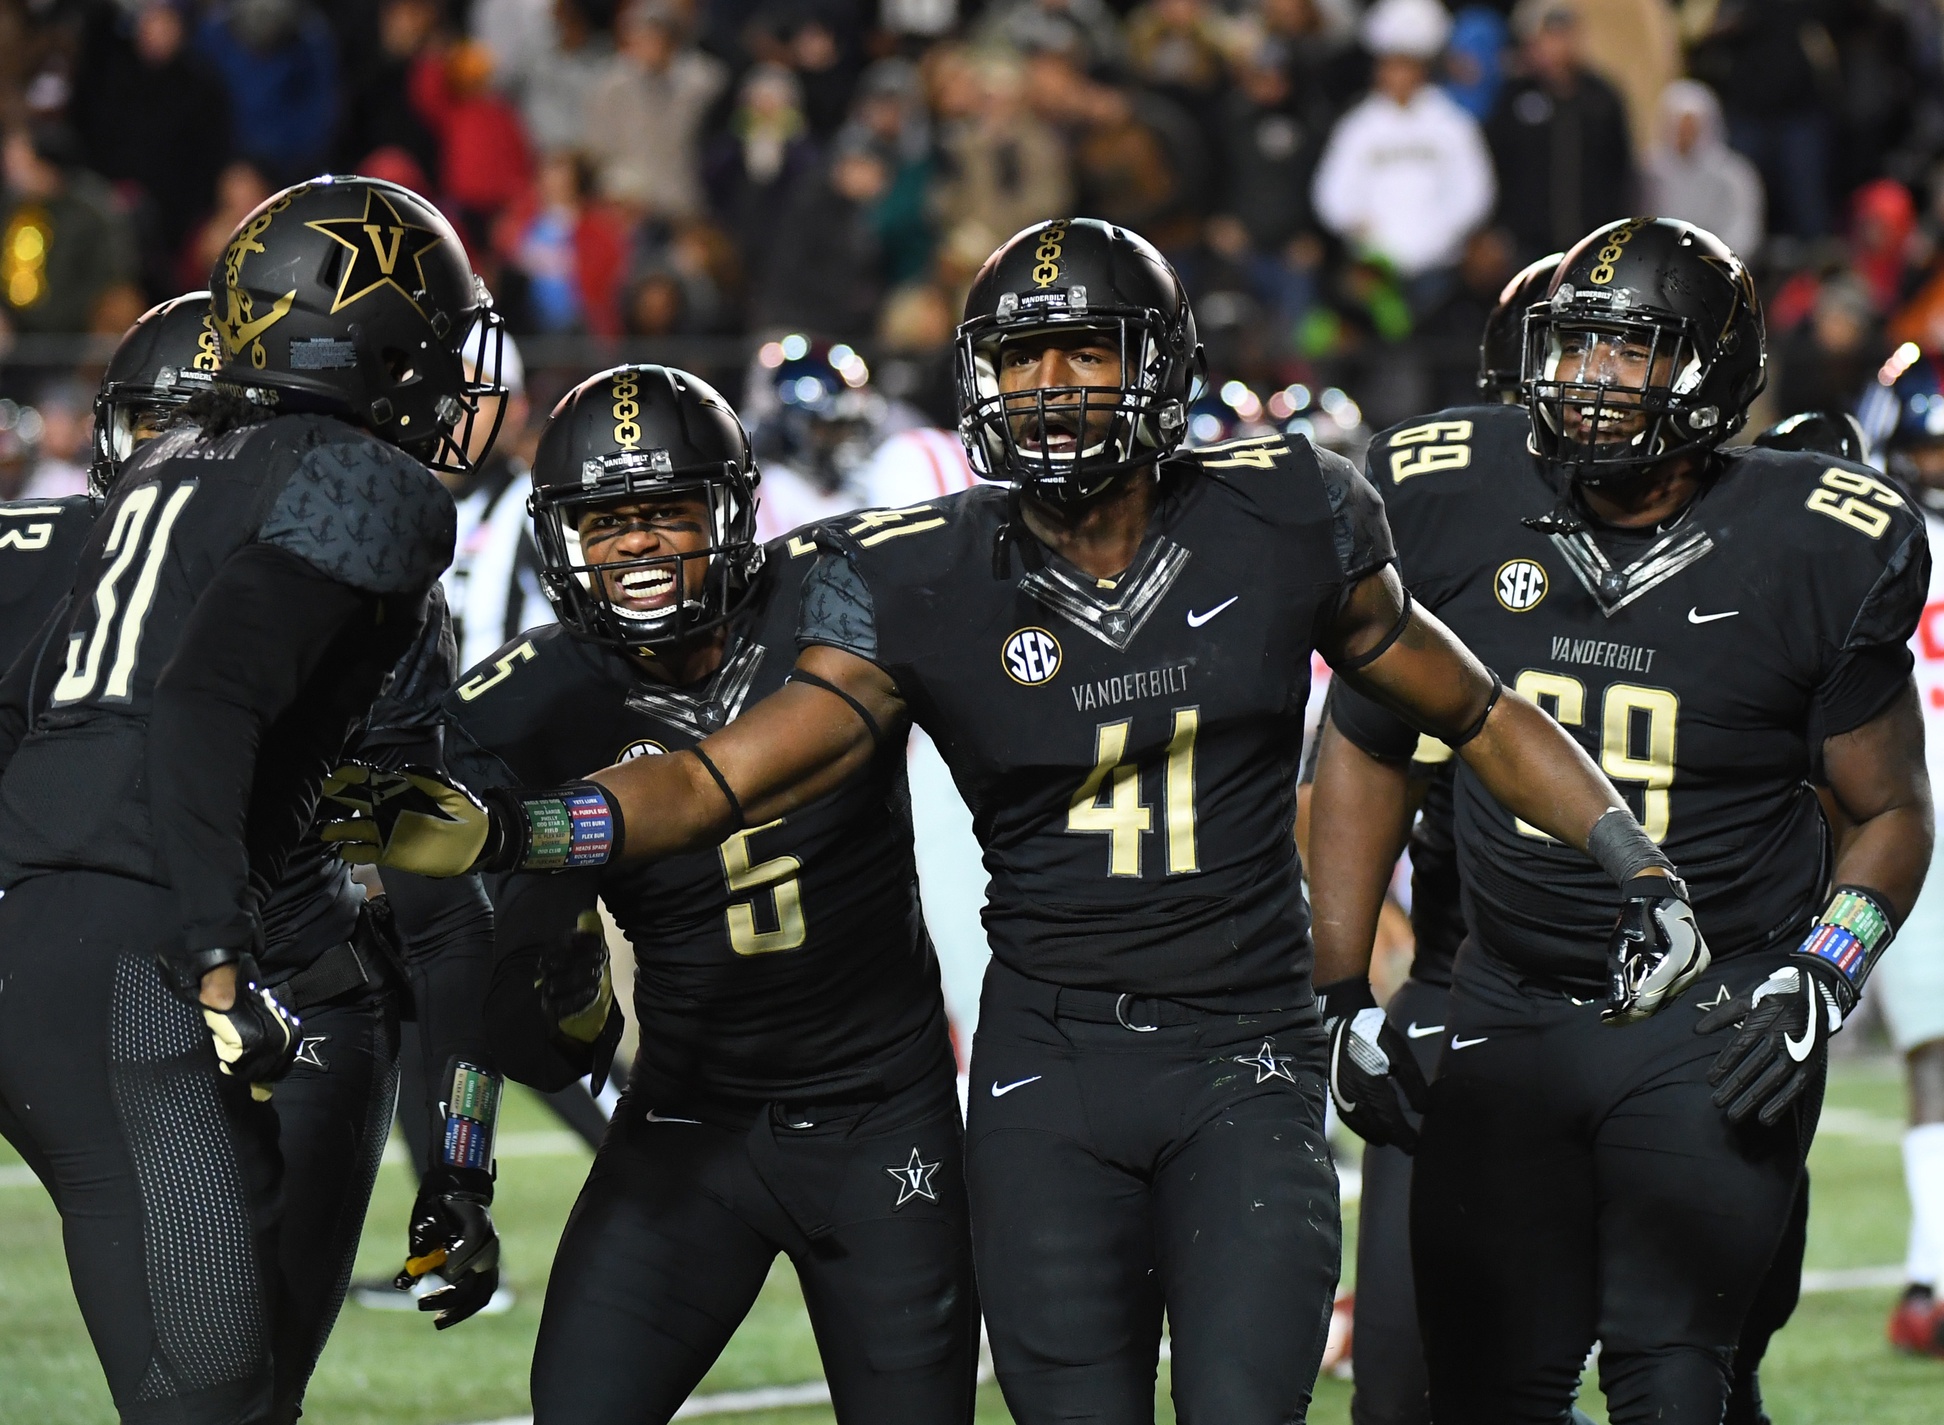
(257, 571)
(1113, 658)
(795, 1090)
(1574, 1180)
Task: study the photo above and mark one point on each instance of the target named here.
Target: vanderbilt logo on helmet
(1047, 256)
(1520, 585)
(627, 406)
(1031, 656)
(377, 242)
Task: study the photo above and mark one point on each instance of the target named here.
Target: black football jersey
(196, 525)
(1128, 747)
(40, 542)
(788, 963)
(1701, 664)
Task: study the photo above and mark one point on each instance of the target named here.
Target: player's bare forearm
(1429, 678)
(1879, 780)
(1361, 805)
(800, 743)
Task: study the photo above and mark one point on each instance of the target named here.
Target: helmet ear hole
(399, 366)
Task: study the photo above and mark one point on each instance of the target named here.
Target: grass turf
(388, 1368)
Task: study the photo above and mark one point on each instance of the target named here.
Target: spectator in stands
(1692, 174)
(279, 62)
(153, 118)
(551, 83)
(1002, 167)
(820, 41)
(1635, 46)
(484, 161)
(1180, 48)
(1883, 241)
(67, 252)
(827, 276)
(239, 188)
(759, 160)
(1085, 30)
(644, 115)
(378, 108)
(1559, 138)
(570, 253)
(1824, 361)
(1474, 60)
(1771, 61)
(1405, 175)
(890, 113)
(1322, 62)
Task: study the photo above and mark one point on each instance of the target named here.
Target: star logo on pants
(1267, 1063)
(1721, 997)
(307, 1052)
(914, 1179)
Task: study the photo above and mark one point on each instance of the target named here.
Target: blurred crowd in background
(1344, 187)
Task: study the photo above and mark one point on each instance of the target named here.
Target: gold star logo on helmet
(379, 241)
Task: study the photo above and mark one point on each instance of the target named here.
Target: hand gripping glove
(1370, 1065)
(1787, 1020)
(1655, 952)
(576, 983)
(451, 1233)
(412, 820)
(256, 1037)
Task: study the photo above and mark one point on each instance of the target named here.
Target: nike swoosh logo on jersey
(1696, 616)
(1458, 1043)
(654, 1117)
(1423, 1031)
(1196, 620)
(998, 1092)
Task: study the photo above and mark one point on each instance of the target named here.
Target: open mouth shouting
(1055, 435)
(642, 591)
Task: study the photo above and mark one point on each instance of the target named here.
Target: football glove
(412, 820)
(576, 983)
(1786, 1023)
(256, 1037)
(1370, 1066)
(1655, 952)
(452, 1236)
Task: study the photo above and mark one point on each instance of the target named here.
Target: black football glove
(256, 1037)
(1655, 951)
(576, 984)
(413, 819)
(1370, 1065)
(452, 1236)
(1786, 1023)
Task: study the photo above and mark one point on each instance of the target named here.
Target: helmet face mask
(1068, 445)
(669, 424)
(168, 356)
(1649, 346)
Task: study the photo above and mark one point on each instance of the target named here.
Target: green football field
(1831, 1365)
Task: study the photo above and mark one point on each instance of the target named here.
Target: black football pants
(208, 1275)
(1126, 1156)
(680, 1221)
(1575, 1183)
(1387, 1350)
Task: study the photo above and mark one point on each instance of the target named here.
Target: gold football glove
(409, 820)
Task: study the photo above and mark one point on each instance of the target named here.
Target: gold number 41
(1123, 817)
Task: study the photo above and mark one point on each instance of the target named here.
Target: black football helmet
(1836, 433)
(171, 353)
(1649, 344)
(1087, 275)
(629, 434)
(1502, 346)
(353, 296)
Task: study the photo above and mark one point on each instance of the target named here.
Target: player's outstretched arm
(1879, 782)
(798, 744)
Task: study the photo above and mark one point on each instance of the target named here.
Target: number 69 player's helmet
(1076, 274)
(626, 435)
(1648, 345)
(170, 354)
(353, 297)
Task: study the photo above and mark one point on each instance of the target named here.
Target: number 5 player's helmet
(630, 434)
(353, 296)
(171, 353)
(1068, 275)
(1643, 286)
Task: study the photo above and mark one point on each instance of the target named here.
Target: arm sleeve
(532, 914)
(255, 637)
(837, 609)
(1370, 726)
